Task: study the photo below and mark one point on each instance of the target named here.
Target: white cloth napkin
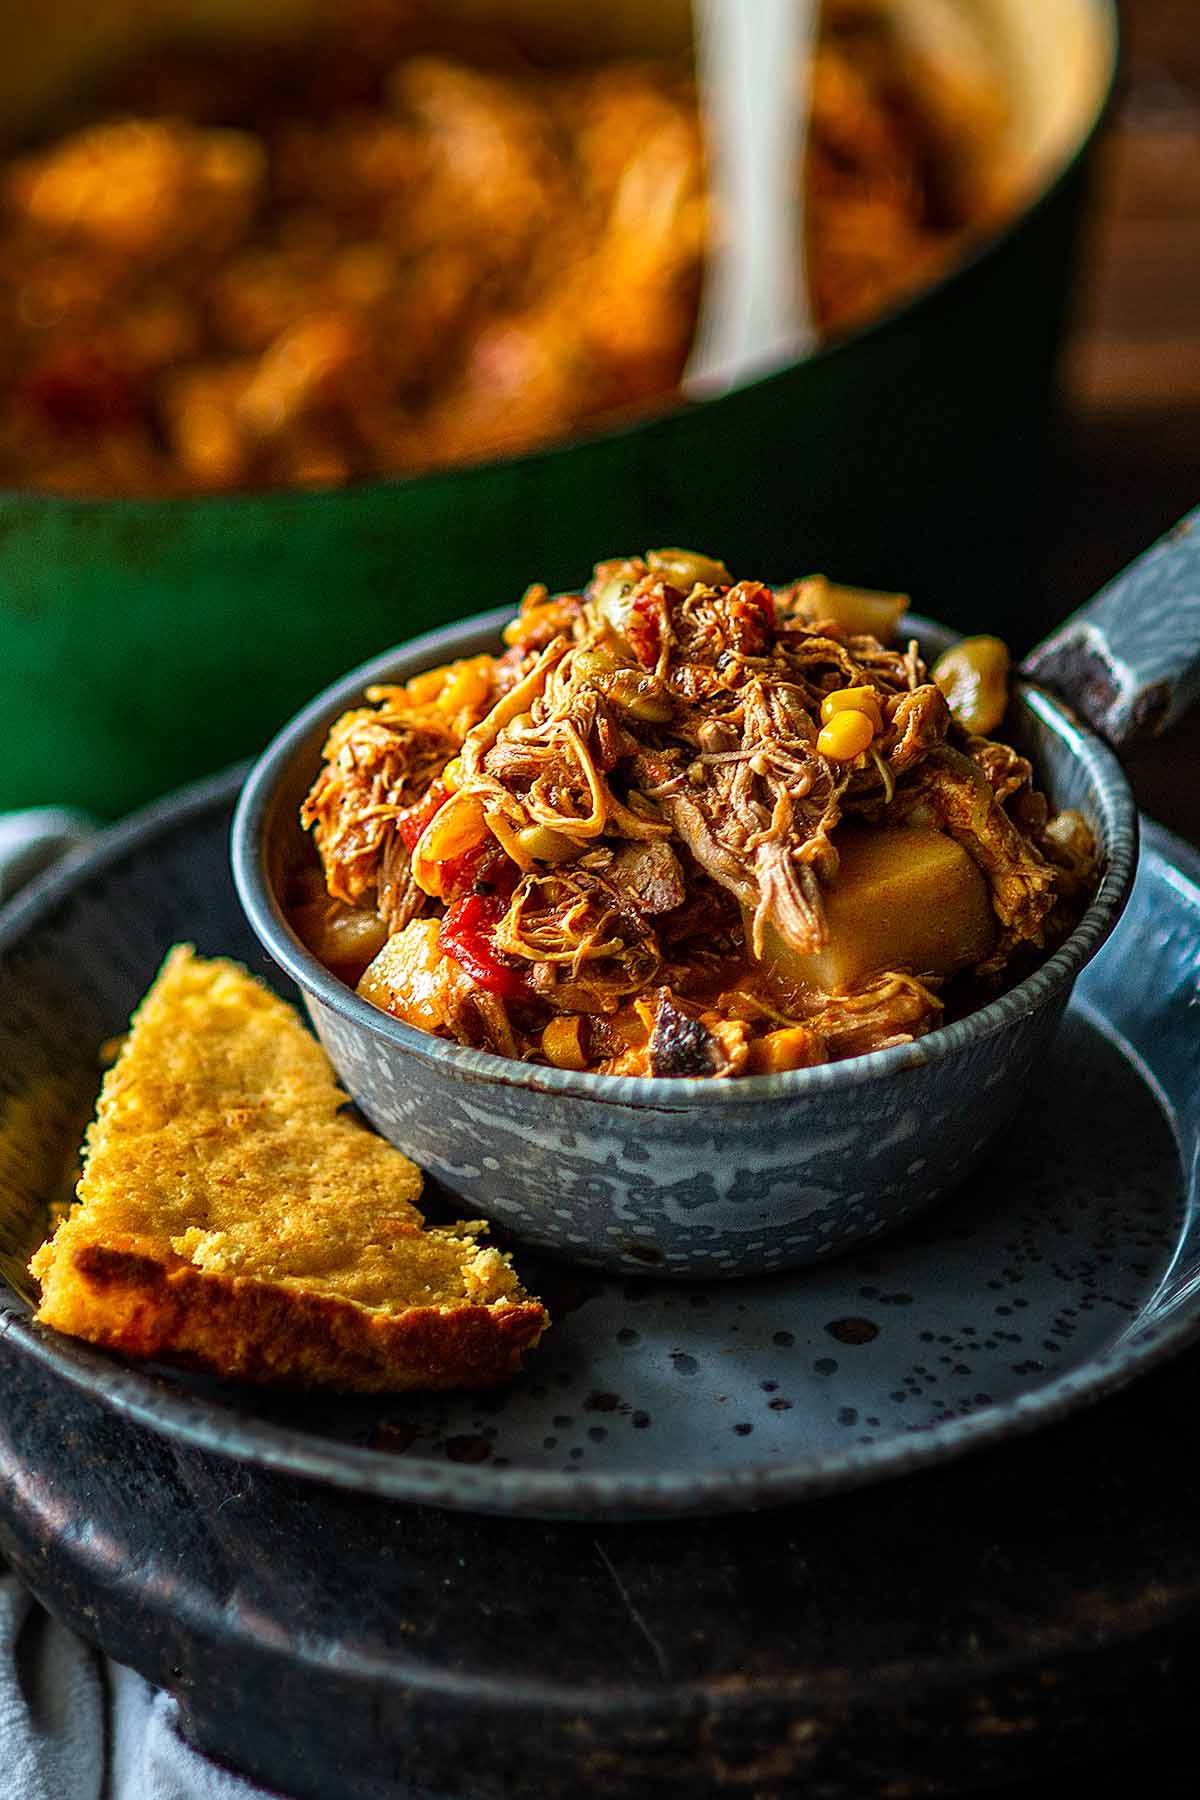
(74, 1726)
(33, 839)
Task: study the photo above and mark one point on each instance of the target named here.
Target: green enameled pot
(146, 642)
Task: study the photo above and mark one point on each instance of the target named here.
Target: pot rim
(254, 817)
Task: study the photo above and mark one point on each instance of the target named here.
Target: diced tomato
(80, 388)
(752, 608)
(411, 822)
(468, 934)
(644, 629)
(486, 868)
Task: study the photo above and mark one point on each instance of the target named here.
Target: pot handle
(1129, 661)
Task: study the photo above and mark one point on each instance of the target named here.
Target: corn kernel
(852, 699)
(846, 736)
(452, 774)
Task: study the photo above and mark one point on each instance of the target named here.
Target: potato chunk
(905, 899)
(860, 611)
(414, 980)
(344, 938)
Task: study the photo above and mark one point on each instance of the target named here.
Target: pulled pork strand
(628, 825)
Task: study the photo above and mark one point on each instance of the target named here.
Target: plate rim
(232, 1433)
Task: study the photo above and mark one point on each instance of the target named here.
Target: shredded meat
(375, 767)
(399, 899)
(379, 765)
(954, 792)
(649, 875)
(631, 820)
(891, 1009)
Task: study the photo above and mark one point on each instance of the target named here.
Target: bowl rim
(978, 250)
(1117, 818)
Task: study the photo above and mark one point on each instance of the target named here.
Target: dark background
(1128, 463)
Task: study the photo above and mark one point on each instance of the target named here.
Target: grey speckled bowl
(714, 1179)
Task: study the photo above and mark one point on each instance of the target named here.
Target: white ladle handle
(754, 59)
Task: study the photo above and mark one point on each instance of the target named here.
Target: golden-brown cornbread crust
(130, 1297)
(232, 1217)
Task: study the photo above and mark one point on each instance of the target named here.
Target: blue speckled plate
(1067, 1267)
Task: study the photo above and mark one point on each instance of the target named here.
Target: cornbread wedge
(232, 1217)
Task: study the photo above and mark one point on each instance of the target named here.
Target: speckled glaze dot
(853, 1330)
